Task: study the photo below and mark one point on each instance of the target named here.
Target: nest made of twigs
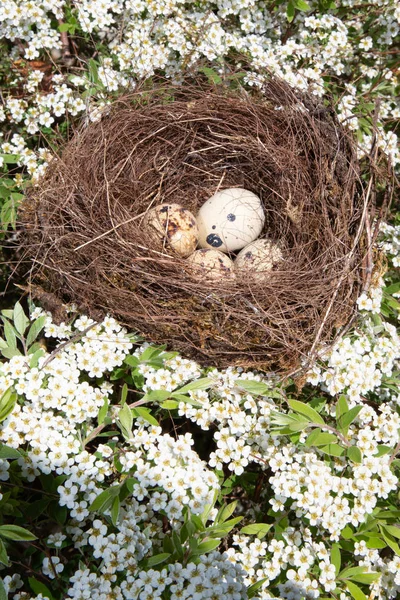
(83, 223)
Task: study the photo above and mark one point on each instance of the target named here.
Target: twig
(74, 338)
(395, 453)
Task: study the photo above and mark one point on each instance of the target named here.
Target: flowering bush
(127, 471)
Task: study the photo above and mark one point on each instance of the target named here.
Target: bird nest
(85, 235)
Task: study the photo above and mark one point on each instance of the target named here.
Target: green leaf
(10, 159)
(156, 396)
(258, 529)
(347, 418)
(10, 353)
(389, 540)
(333, 450)
(8, 453)
(3, 594)
(34, 359)
(211, 75)
(225, 512)
(125, 419)
(290, 10)
(10, 334)
(335, 557)
(255, 587)
(38, 587)
(16, 533)
(21, 321)
(366, 578)
(198, 384)
(103, 411)
(169, 405)
(355, 591)
(3, 554)
(392, 530)
(105, 499)
(157, 559)
(347, 533)
(35, 329)
(62, 28)
(307, 411)
(115, 508)
(145, 414)
(301, 5)
(124, 394)
(7, 403)
(354, 454)
(351, 571)
(255, 388)
(207, 546)
(319, 438)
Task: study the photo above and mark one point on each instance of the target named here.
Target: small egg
(230, 220)
(258, 258)
(211, 264)
(174, 225)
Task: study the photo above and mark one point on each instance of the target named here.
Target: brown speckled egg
(211, 265)
(258, 258)
(172, 225)
(230, 219)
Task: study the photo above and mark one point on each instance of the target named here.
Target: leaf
(351, 571)
(156, 396)
(8, 453)
(198, 384)
(38, 587)
(3, 594)
(290, 12)
(207, 546)
(62, 28)
(336, 557)
(169, 405)
(355, 591)
(34, 360)
(35, 329)
(256, 586)
(225, 512)
(145, 414)
(255, 388)
(301, 5)
(389, 540)
(21, 321)
(105, 499)
(392, 530)
(347, 418)
(319, 438)
(157, 559)
(9, 352)
(258, 529)
(103, 411)
(9, 332)
(307, 411)
(125, 419)
(115, 508)
(3, 554)
(211, 75)
(366, 578)
(354, 454)
(124, 394)
(7, 403)
(16, 533)
(333, 450)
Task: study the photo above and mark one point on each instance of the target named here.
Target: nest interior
(84, 240)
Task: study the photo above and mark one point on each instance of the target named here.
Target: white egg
(174, 226)
(230, 220)
(258, 259)
(211, 265)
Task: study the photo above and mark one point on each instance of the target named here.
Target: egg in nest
(230, 220)
(211, 265)
(258, 259)
(173, 226)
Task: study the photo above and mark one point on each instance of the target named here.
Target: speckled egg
(211, 265)
(173, 226)
(258, 258)
(230, 220)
